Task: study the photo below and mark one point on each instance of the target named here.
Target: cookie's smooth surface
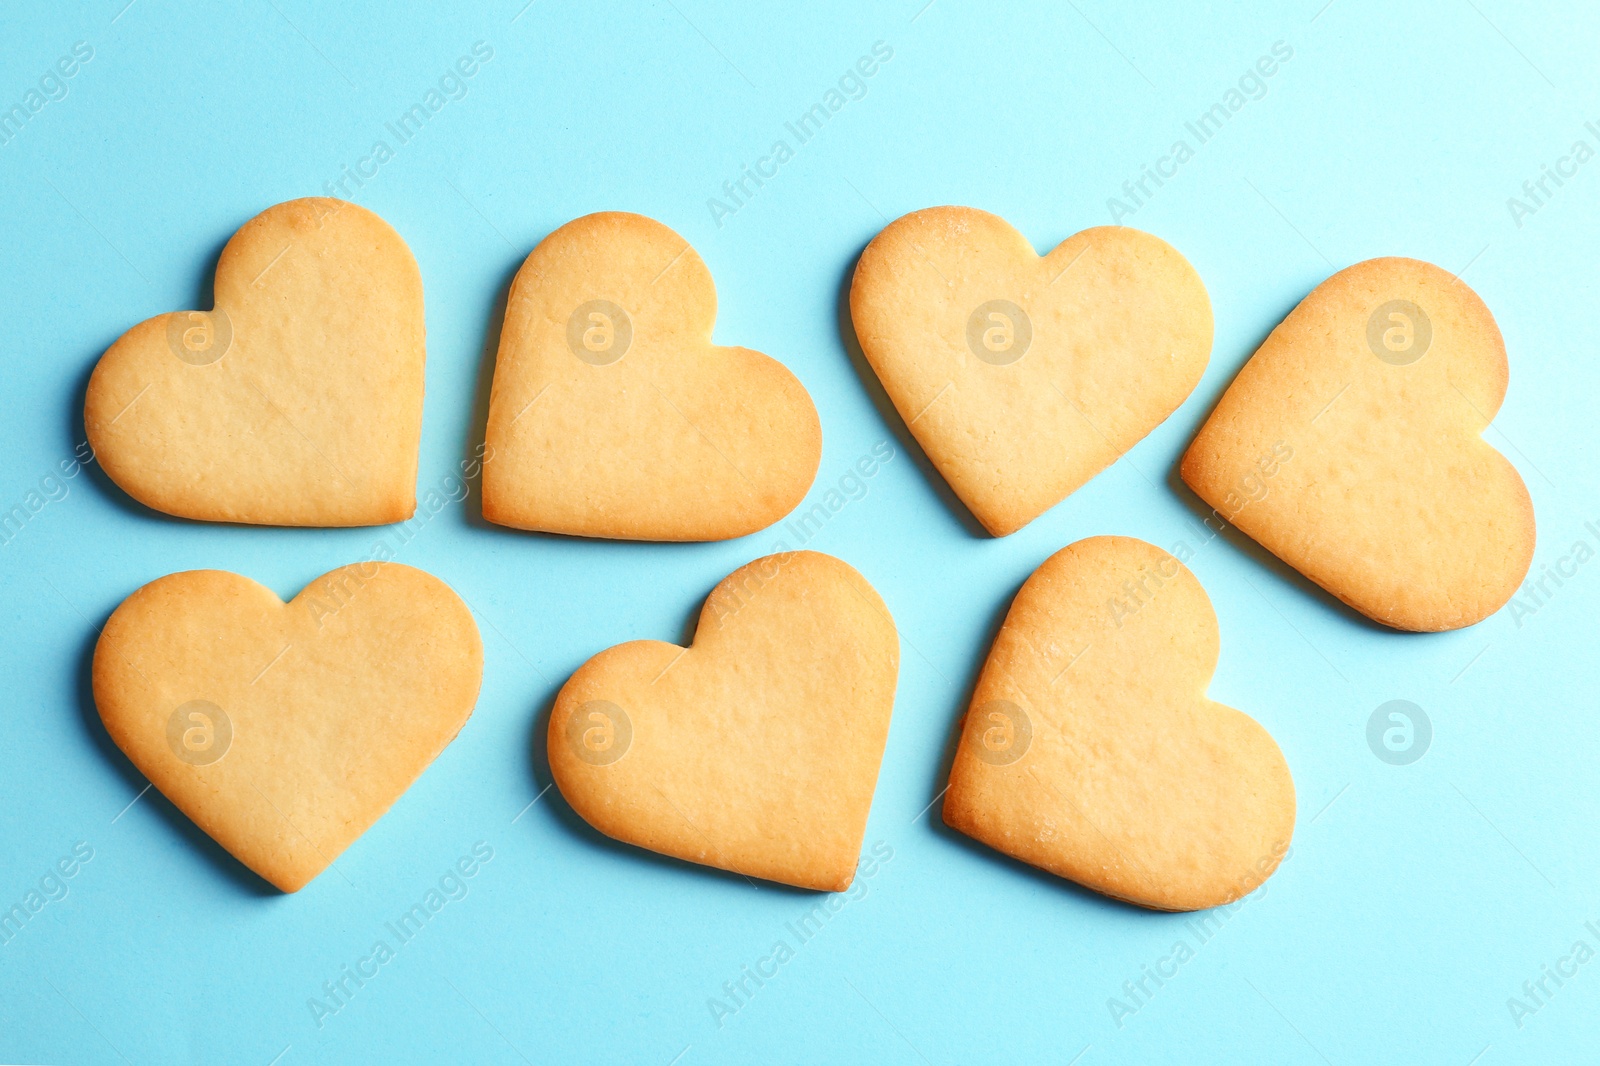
(1024, 376)
(284, 730)
(612, 413)
(297, 401)
(1090, 749)
(756, 749)
(1377, 387)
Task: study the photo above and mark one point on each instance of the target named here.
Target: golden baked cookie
(1090, 749)
(1350, 446)
(284, 730)
(756, 748)
(1024, 376)
(296, 401)
(612, 412)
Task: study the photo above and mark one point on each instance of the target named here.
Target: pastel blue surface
(1418, 898)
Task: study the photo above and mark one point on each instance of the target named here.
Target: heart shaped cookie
(1024, 376)
(754, 750)
(1350, 447)
(284, 730)
(1090, 749)
(297, 401)
(612, 413)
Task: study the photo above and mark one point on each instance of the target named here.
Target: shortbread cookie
(1378, 388)
(1022, 377)
(284, 730)
(613, 414)
(1090, 749)
(755, 749)
(297, 401)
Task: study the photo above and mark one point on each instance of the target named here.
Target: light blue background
(1417, 898)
